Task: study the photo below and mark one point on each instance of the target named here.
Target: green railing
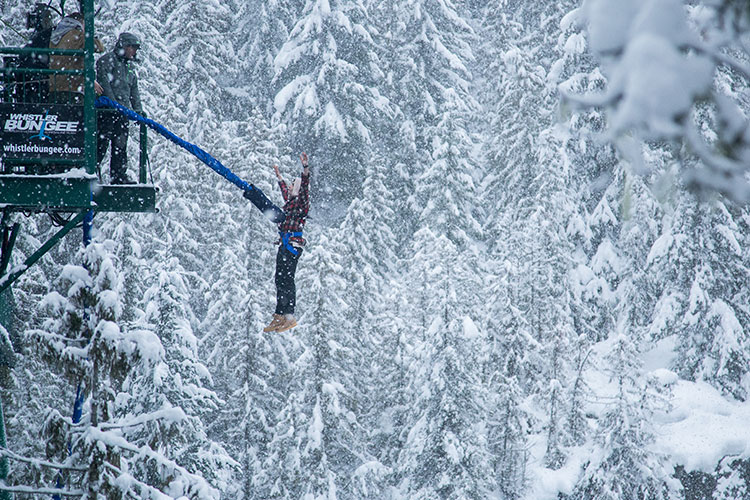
(31, 86)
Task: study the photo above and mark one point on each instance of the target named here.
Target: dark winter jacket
(119, 80)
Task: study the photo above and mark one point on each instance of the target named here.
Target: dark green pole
(6, 310)
(144, 155)
(6, 319)
(4, 467)
(89, 113)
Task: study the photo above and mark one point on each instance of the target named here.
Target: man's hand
(303, 159)
(276, 170)
(98, 88)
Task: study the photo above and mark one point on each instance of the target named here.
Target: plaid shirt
(296, 210)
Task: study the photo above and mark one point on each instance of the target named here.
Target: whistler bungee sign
(33, 131)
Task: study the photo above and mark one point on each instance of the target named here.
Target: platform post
(4, 467)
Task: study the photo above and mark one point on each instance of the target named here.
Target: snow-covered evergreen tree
(513, 357)
(697, 260)
(318, 442)
(446, 434)
(371, 266)
(88, 345)
(446, 451)
(623, 466)
(262, 28)
(326, 81)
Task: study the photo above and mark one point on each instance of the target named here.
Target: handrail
(41, 50)
(43, 71)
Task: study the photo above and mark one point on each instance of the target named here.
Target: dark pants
(286, 291)
(113, 127)
(261, 201)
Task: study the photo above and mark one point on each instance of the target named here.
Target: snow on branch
(30, 490)
(127, 481)
(172, 415)
(663, 72)
(196, 484)
(4, 452)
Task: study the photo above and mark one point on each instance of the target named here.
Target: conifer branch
(40, 463)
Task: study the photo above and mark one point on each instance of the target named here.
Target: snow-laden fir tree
(446, 189)
(513, 357)
(528, 168)
(517, 108)
(594, 227)
(429, 80)
(84, 343)
(327, 93)
(445, 453)
(532, 180)
(370, 267)
(203, 58)
(262, 28)
(318, 442)
(579, 392)
(87, 343)
(699, 262)
(176, 386)
(623, 467)
(36, 399)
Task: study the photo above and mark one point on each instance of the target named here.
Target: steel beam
(8, 279)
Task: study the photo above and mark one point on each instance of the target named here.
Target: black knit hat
(126, 39)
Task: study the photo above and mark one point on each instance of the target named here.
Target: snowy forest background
(526, 278)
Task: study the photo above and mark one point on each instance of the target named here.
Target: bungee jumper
(291, 219)
(291, 242)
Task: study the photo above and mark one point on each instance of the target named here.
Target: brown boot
(277, 321)
(289, 322)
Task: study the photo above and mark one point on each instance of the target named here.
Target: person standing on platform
(115, 71)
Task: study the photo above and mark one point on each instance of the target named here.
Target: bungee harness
(285, 241)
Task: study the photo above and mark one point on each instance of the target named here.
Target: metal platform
(41, 193)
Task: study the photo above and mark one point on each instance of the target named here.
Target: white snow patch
(657, 84)
(290, 89)
(661, 356)
(609, 23)
(471, 331)
(315, 431)
(665, 377)
(708, 428)
(332, 120)
(548, 483)
(660, 248)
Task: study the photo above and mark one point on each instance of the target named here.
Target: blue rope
(255, 195)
